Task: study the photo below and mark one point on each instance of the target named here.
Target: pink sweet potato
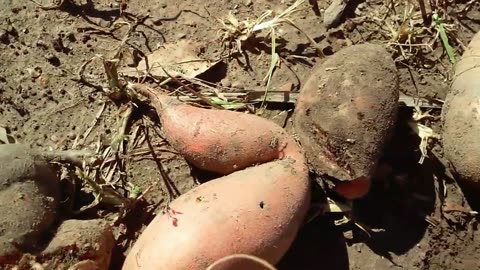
(218, 141)
(255, 210)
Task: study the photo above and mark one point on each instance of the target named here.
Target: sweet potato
(241, 262)
(461, 117)
(256, 210)
(345, 113)
(29, 197)
(221, 142)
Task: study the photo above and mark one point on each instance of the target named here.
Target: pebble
(181, 35)
(334, 12)
(226, 82)
(71, 135)
(52, 59)
(34, 72)
(41, 44)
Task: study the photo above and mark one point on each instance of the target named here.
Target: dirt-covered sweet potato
(256, 210)
(29, 196)
(344, 114)
(461, 117)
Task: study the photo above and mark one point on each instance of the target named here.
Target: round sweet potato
(345, 113)
(461, 117)
(256, 210)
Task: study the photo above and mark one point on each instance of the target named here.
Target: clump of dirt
(80, 240)
(54, 95)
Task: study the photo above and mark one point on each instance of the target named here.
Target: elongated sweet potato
(256, 210)
(461, 117)
(218, 141)
(344, 114)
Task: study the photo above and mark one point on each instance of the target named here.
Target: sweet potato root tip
(355, 189)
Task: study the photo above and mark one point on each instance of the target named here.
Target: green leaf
(444, 38)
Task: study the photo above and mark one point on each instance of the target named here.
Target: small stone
(44, 81)
(41, 44)
(54, 138)
(16, 10)
(71, 136)
(334, 13)
(180, 35)
(226, 82)
(34, 72)
(52, 59)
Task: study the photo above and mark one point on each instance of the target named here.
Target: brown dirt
(43, 104)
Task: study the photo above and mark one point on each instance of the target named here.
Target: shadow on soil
(319, 245)
(402, 196)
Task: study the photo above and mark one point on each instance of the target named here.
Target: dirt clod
(83, 242)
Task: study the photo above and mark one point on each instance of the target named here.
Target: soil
(418, 214)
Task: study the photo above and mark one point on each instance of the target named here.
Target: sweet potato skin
(461, 117)
(219, 142)
(346, 111)
(256, 210)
